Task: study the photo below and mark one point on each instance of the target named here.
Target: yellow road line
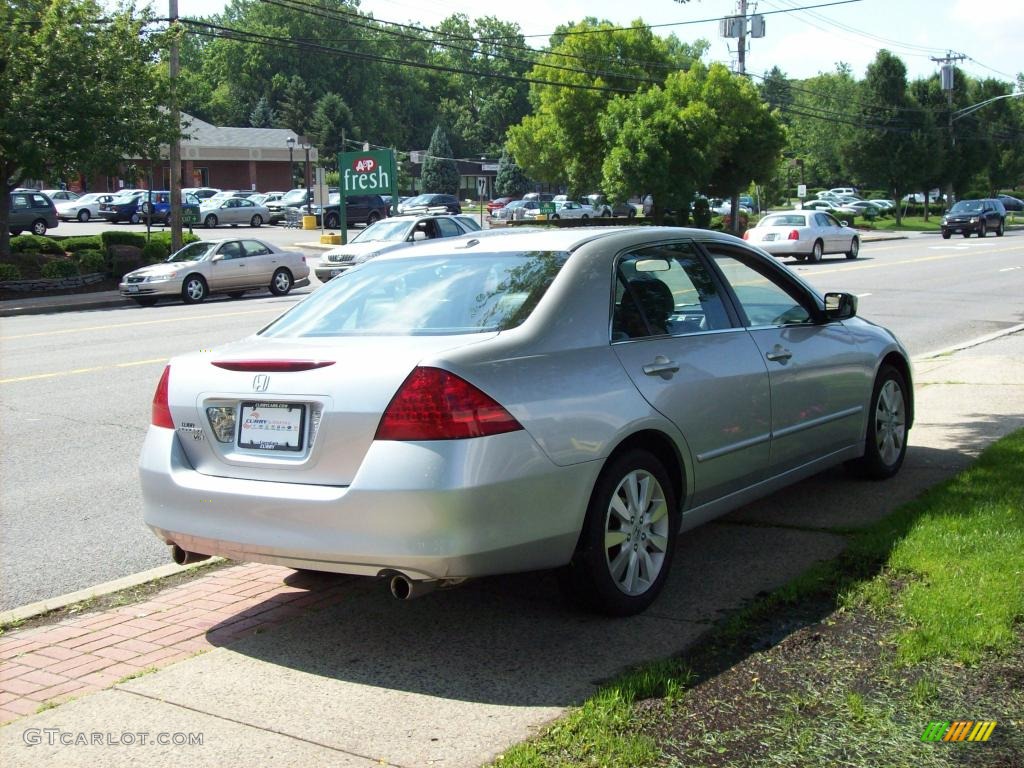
(77, 371)
(110, 326)
(921, 260)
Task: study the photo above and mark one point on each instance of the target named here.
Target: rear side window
(425, 297)
(40, 201)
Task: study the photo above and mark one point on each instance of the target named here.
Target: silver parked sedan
(483, 405)
(232, 210)
(804, 235)
(219, 266)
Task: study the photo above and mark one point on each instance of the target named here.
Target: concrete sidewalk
(262, 664)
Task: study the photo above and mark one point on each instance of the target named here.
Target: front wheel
(373, 218)
(256, 221)
(39, 227)
(854, 249)
(281, 282)
(193, 290)
(983, 231)
(332, 221)
(946, 235)
(885, 444)
(555, 217)
(584, 217)
(628, 537)
(1001, 228)
(210, 221)
(83, 215)
(134, 218)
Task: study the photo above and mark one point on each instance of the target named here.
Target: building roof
(204, 141)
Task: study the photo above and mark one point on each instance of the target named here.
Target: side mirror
(217, 257)
(840, 306)
(845, 223)
(419, 234)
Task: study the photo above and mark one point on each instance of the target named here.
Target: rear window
(425, 296)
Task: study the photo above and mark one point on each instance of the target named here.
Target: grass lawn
(919, 620)
(908, 224)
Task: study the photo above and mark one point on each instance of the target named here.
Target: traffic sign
(481, 186)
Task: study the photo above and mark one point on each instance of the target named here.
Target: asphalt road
(75, 392)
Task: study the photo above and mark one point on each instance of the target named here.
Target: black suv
(978, 216)
(359, 209)
(431, 200)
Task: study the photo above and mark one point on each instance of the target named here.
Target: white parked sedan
(804, 235)
(564, 209)
(219, 266)
(84, 208)
(522, 400)
(232, 210)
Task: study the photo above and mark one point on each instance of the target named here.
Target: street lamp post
(291, 168)
(306, 146)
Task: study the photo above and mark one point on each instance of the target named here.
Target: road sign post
(481, 194)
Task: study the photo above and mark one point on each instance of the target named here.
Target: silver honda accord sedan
(571, 398)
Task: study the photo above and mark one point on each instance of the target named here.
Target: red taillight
(794, 235)
(271, 366)
(433, 404)
(161, 415)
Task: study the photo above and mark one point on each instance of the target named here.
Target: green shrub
(9, 272)
(36, 244)
(83, 243)
(155, 251)
(165, 238)
(60, 268)
(90, 261)
(116, 237)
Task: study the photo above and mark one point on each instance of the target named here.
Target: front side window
(434, 296)
(448, 228)
(765, 298)
(665, 290)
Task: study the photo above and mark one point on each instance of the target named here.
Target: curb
(40, 607)
(42, 309)
(969, 343)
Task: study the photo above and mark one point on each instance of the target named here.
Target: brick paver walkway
(53, 663)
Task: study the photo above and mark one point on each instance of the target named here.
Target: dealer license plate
(771, 236)
(272, 426)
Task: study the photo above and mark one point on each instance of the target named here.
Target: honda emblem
(260, 382)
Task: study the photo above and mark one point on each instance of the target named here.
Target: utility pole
(947, 80)
(742, 53)
(175, 148)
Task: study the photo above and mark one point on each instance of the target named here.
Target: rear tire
(373, 218)
(816, 251)
(854, 249)
(332, 221)
(39, 227)
(256, 221)
(210, 221)
(628, 537)
(281, 282)
(885, 444)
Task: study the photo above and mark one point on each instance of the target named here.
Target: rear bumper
(447, 509)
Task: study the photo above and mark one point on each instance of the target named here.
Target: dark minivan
(33, 211)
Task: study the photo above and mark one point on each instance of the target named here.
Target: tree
(510, 179)
(818, 123)
(660, 142)
(889, 145)
(330, 125)
(262, 116)
(296, 106)
(79, 92)
(440, 172)
(748, 140)
(561, 140)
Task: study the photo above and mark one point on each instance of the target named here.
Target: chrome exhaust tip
(183, 557)
(404, 588)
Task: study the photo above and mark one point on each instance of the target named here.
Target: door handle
(779, 354)
(661, 366)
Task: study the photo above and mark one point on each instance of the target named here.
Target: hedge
(155, 251)
(82, 243)
(9, 272)
(60, 268)
(36, 244)
(90, 261)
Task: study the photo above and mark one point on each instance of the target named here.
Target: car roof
(558, 240)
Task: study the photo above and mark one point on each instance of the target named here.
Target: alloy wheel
(636, 532)
(890, 422)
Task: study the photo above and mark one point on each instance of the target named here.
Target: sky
(801, 43)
